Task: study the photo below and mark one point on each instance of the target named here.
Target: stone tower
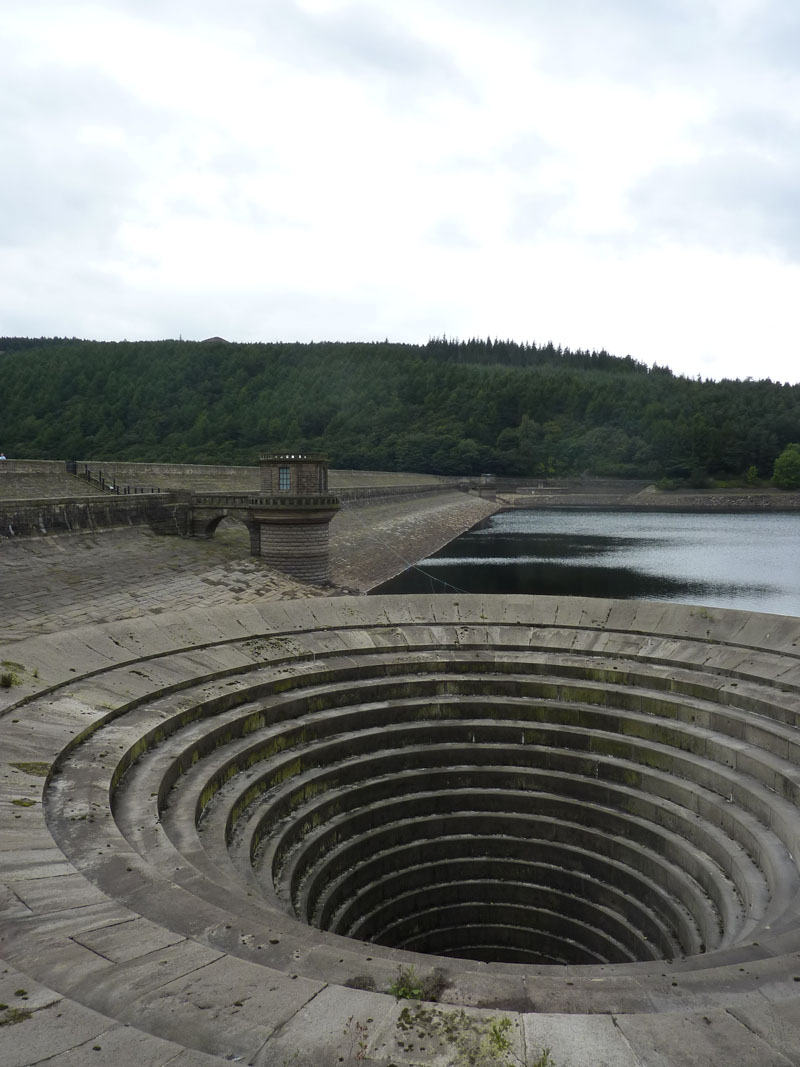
(293, 512)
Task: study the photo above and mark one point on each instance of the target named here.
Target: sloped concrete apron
(217, 824)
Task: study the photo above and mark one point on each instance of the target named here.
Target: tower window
(284, 479)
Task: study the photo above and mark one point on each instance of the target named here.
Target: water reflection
(528, 575)
(488, 543)
(745, 561)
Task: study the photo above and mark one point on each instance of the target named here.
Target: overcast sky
(618, 174)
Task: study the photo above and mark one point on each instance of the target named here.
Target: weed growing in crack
(11, 1016)
(467, 1041)
(357, 1033)
(407, 985)
(411, 986)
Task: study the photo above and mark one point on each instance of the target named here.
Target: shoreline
(698, 502)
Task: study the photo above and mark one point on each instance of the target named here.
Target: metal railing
(111, 485)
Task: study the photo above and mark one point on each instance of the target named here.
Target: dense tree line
(449, 407)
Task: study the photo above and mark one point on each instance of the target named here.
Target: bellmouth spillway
(567, 805)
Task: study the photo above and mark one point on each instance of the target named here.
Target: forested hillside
(446, 407)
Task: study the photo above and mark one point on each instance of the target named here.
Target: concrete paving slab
(57, 961)
(125, 1046)
(128, 980)
(11, 905)
(621, 615)
(23, 993)
(649, 616)
(193, 1058)
(578, 1040)
(226, 1008)
(541, 610)
(336, 1026)
(661, 1040)
(26, 864)
(571, 611)
(596, 611)
(189, 629)
(99, 640)
(439, 1035)
(781, 632)
(325, 613)
(444, 610)
(579, 993)
(71, 890)
(776, 1024)
(48, 1032)
(790, 676)
(67, 923)
(512, 610)
(14, 833)
(478, 986)
(128, 940)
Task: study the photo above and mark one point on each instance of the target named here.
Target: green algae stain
(38, 770)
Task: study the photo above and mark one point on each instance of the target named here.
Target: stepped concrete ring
(257, 833)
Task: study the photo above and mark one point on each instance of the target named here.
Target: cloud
(725, 203)
(353, 40)
(73, 144)
(619, 39)
(774, 35)
(741, 194)
(344, 168)
(538, 215)
(359, 39)
(452, 234)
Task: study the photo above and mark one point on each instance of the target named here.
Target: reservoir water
(719, 560)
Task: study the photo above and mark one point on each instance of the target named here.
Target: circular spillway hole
(510, 806)
(524, 781)
(507, 819)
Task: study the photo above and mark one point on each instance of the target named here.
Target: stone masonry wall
(32, 518)
(220, 478)
(298, 549)
(32, 466)
(304, 478)
(201, 477)
(37, 485)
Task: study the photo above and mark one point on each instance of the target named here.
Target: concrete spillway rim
(98, 651)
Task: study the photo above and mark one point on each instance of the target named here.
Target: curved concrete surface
(226, 832)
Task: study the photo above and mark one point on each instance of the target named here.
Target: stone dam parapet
(163, 512)
(226, 477)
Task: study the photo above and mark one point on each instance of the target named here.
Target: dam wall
(619, 495)
(164, 512)
(203, 477)
(170, 512)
